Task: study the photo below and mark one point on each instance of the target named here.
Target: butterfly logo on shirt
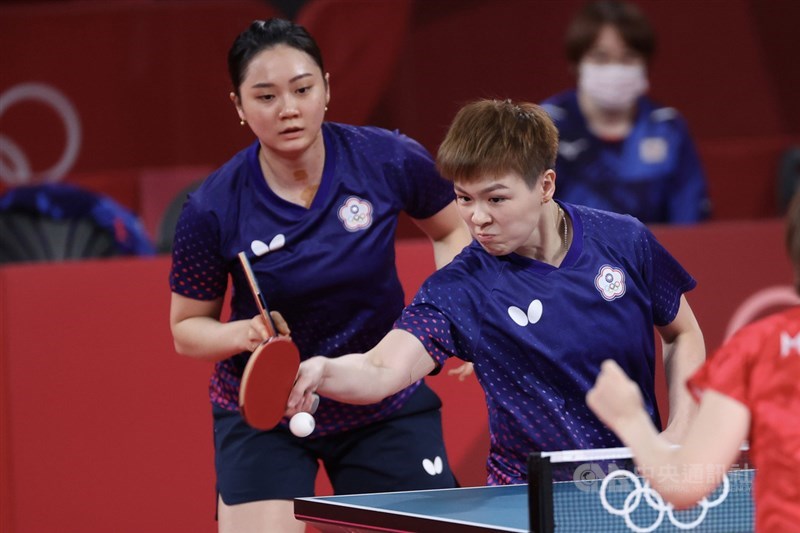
(531, 316)
(261, 248)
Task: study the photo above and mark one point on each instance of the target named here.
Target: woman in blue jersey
(314, 205)
(545, 293)
(621, 151)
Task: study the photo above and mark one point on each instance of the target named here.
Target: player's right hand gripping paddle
(271, 370)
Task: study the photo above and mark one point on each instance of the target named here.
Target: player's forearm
(680, 474)
(681, 359)
(667, 467)
(673, 473)
(354, 379)
(208, 339)
(396, 362)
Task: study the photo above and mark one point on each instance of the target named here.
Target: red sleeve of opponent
(749, 359)
(727, 371)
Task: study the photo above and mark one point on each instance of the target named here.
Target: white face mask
(613, 87)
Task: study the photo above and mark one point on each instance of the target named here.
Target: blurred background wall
(100, 93)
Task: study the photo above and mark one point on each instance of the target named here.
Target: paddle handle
(261, 302)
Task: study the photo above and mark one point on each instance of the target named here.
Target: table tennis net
(601, 490)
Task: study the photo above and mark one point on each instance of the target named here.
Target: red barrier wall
(148, 80)
(104, 428)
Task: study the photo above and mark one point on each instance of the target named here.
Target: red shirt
(760, 367)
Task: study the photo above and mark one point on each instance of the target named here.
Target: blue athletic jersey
(329, 269)
(653, 174)
(537, 334)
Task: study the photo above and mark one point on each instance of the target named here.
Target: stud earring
(242, 122)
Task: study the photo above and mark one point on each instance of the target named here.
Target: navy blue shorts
(403, 452)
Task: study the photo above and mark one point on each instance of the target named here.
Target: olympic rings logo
(20, 171)
(655, 501)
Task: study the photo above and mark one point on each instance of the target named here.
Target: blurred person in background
(619, 150)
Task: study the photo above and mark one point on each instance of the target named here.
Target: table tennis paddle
(270, 372)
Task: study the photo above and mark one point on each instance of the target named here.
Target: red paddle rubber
(267, 381)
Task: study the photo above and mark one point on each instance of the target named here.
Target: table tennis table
(576, 506)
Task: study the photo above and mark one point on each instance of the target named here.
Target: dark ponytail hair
(263, 34)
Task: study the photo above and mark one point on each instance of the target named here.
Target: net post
(540, 494)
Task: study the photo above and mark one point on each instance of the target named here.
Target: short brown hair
(495, 137)
(631, 23)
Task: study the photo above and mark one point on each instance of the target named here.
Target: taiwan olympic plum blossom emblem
(356, 214)
(610, 282)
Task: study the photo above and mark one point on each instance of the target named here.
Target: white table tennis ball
(301, 425)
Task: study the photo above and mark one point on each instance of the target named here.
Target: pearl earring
(242, 122)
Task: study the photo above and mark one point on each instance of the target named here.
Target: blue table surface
(504, 508)
(577, 507)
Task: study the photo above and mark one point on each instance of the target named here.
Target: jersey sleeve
(413, 174)
(444, 315)
(668, 279)
(727, 370)
(198, 270)
(432, 328)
